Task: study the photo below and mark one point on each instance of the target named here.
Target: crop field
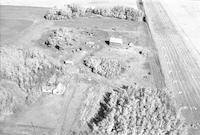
(11, 28)
(15, 20)
(62, 75)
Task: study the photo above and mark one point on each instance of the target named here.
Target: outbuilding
(115, 41)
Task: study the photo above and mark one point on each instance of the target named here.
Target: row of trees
(70, 11)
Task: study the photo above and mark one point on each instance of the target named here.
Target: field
(11, 28)
(15, 20)
(81, 84)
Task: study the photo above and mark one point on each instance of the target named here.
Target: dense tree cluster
(29, 69)
(137, 111)
(67, 12)
(106, 67)
(7, 102)
(71, 11)
(60, 39)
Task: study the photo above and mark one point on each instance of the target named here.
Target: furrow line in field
(179, 66)
(167, 51)
(186, 59)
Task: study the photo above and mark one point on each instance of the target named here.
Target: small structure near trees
(115, 41)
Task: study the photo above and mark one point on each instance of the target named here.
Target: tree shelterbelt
(71, 11)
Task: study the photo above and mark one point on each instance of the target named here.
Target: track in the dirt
(19, 129)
